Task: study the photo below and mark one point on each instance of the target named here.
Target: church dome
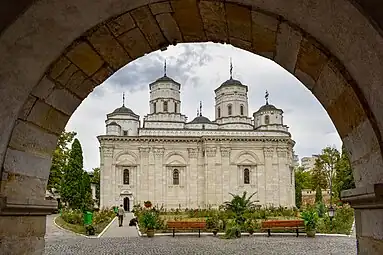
(113, 123)
(200, 120)
(123, 110)
(164, 79)
(231, 82)
(268, 107)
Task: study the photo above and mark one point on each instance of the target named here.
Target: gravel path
(205, 245)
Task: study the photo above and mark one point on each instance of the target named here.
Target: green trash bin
(88, 218)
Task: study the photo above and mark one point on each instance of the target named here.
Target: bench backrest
(282, 223)
(187, 224)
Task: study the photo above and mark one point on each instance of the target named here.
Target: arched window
(219, 112)
(242, 110)
(229, 109)
(154, 107)
(267, 119)
(246, 176)
(176, 177)
(175, 106)
(126, 176)
(165, 106)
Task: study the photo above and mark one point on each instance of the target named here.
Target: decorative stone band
(206, 132)
(107, 151)
(105, 138)
(29, 207)
(282, 152)
(144, 151)
(368, 197)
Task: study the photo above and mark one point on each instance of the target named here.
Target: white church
(174, 163)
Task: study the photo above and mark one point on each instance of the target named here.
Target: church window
(176, 177)
(242, 110)
(219, 112)
(246, 176)
(165, 106)
(229, 109)
(126, 176)
(175, 106)
(267, 119)
(154, 107)
(125, 133)
(203, 126)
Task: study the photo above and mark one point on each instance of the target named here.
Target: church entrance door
(126, 204)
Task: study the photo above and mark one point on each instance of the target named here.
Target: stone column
(106, 178)
(193, 199)
(144, 175)
(368, 204)
(261, 182)
(269, 175)
(210, 175)
(158, 175)
(283, 177)
(225, 170)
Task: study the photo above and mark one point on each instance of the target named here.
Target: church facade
(176, 163)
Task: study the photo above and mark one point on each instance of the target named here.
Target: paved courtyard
(60, 242)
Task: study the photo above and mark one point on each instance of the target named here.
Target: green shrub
(233, 230)
(72, 216)
(310, 217)
(321, 209)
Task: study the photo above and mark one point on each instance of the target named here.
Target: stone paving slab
(321, 245)
(52, 232)
(125, 231)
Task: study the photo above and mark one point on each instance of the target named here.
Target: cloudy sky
(200, 68)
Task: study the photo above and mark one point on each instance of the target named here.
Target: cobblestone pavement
(54, 233)
(205, 245)
(125, 231)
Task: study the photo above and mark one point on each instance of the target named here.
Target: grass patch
(80, 229)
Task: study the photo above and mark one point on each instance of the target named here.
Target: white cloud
(201, 68)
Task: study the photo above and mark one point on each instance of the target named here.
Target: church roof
(231, 82)
(268, 107)
(200, 120)
(113, 123)
(164, 79)
(123, 110)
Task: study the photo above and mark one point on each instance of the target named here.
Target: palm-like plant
(239, 205)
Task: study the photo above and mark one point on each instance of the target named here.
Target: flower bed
(73, 220)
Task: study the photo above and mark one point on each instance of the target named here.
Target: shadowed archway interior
(55, 54)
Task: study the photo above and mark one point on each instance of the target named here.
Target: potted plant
(148, 204)
(310, 218)
(149, 222)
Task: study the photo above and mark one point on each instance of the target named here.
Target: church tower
(231, 102)
(164, 104)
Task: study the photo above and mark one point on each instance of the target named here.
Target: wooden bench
(187, 225)
(283, 224)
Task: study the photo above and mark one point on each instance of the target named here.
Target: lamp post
(331, 214)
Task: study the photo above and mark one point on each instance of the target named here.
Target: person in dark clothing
(121, 213)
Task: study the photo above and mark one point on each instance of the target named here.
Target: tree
(327, 163)
(318, 195)
(75, 188)
(96, 180)
(302, 181)
(239, 205)
(59, 160)
(344, 178)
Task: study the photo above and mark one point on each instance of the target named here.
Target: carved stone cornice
(158, 152)
(193, 152)
(107, 151)
(144, 151)
(268, 151)
(27, 208)
(225, 151)
(368, 197)
(211, 151)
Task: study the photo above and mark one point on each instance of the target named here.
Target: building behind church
(176, 163)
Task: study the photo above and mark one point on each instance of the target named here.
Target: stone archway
(56, 52)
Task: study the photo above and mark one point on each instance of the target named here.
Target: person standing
(121, 213)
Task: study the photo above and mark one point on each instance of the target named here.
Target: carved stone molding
(211, 151)
(367, 197)
(144, 151)
(269, 152)
(27, 208)
(193, 152)
(107, 151)
(158, 152)
(225, 151)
